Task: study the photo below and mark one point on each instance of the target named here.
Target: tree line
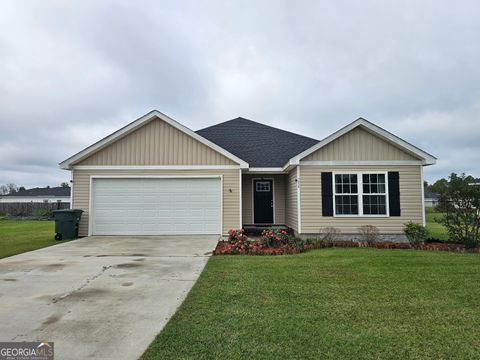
(10, 189)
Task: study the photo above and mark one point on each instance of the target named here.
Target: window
(262, 186)
(375, 203)
(347, 203)
(360, 194)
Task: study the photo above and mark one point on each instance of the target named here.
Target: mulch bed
(226, 248)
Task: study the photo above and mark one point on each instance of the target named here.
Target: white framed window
(360, 194)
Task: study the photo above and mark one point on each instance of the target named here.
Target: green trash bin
(66, 223)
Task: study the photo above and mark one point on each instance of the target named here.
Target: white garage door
(156, 206)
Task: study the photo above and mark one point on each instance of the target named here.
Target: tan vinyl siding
(311, 201)
(291, 210)
(157, 143)
(247, 197)
(231, 188)
(359, 145)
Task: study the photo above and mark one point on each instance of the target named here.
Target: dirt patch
(127, 265)
(127, 283)
(8, 279)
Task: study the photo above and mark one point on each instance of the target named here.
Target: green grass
(435, 230)
(329, 304)
(19, 236)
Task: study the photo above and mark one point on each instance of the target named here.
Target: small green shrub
(40, 213)
(416, 233)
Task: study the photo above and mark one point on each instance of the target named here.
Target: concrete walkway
(99, 297)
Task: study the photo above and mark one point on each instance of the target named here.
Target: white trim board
(93, 177)
(299, 202)
(425, 158)
(155, 167)
(66, 164)
(240, 196)
(361, 163)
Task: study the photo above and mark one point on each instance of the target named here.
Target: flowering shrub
(275, 237)
(234, 235)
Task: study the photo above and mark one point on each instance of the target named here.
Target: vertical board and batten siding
(231, 188)
(279, 193)
(359, 145)
(411, 201)
(156, 143)
(291, 205)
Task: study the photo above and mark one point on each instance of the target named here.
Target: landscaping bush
(275, 237)
(416, 233)
(235, 235)
(369, 234)
(328, 234)
(40, 213)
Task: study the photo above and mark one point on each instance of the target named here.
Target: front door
(263, 201)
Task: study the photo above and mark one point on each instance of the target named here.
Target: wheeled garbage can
(66, 223)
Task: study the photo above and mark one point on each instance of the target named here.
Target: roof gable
(153, 139)
(258, 144)
(365, 125)
(359, 145)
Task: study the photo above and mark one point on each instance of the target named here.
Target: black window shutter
(327, 194)
(394, 193)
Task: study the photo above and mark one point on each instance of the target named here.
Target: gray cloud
(70, 73)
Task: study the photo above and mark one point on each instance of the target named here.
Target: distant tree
(21, 188)
(438, 186)
(8, 189)
(462, 202)
(64, 184)
(12, 188)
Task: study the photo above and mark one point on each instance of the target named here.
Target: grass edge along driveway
(19, 236)
(354, 303)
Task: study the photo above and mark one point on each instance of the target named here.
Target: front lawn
(355, 303)
(18, 236)
(435, 230)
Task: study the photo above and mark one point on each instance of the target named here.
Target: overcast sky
(71, 72)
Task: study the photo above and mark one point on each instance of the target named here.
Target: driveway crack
(85, 284)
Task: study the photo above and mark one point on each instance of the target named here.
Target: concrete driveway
(99, 297)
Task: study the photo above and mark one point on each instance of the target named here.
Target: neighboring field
(18, 236)
(435, 230)
(329, 304)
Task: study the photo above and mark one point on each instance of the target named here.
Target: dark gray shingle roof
(258, 144)
(52, 191)
(430, 195)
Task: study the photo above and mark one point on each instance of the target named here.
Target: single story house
(476, 182)
(430, 199)
(39, 195)
(155, 176)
